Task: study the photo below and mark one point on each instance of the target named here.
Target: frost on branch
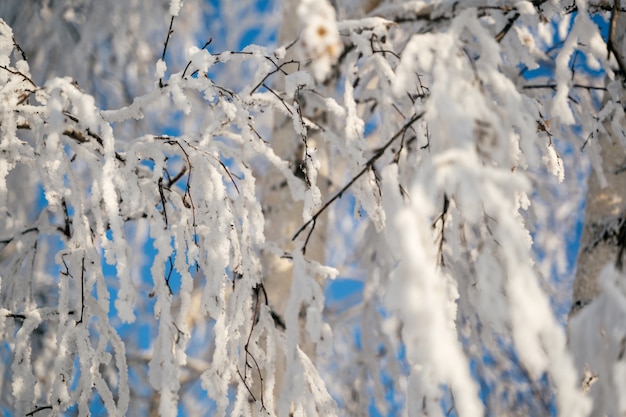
(195, 196)
(422, 298)
(410, 147)
(598, 341)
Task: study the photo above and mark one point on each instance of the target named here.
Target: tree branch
(167, 40)
(379, 152)
(38, 409)
(16, 72)
(610, 44)
(507, 27)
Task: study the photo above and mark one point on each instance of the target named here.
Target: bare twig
(19, 48)
(553, 87)
(278, 97)
(279, 68)
(38, 409)
(442, 218)
(207, 43)
(66, 227)
(23, 232)
(188, 186)
(167, 40)
(257, 290)
(230, 175)
(78, 135)
(610, 44)
(177, 177)
(507, 27)
(21, 74)
(169, 275)
(82, 292)
(373, 38)
(379, 152)
(162, 195)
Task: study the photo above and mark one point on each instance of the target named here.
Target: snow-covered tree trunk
(283, 215)
(307, 158)
(597, 322)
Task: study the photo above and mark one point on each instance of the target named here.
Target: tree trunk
(597, 334)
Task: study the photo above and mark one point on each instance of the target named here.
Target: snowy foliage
(599, 334)
(430, 147)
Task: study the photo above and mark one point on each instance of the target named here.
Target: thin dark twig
(610, 44)
(621, 244)
(379, 153)
(453, 405)
(188, 186)
(21, 74)
(262, 289)
(553, 86)
(292, 42)
(38, 409)
(569, 97)
(23, 232)
(66, 228)
(207, 43)
(257, 290)
(245, 384)
(373, 38)
(185, 70)
(160, 184)
(507, 27)
(82, 292)
(77, 135)
(279, 68)
(180, 174)
(307, 155)
(167, 40)
(258, 135)
(228, 173)
(442, 218)
(67, 268)
(573, 64)
(258, 368)
(308, 236)
(278, 97)
(593, 8)
(247, 347)
(169, 275)
(589, 137)
(19, 48)
(177, 177)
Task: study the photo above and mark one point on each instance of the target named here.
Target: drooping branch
(258, 290)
